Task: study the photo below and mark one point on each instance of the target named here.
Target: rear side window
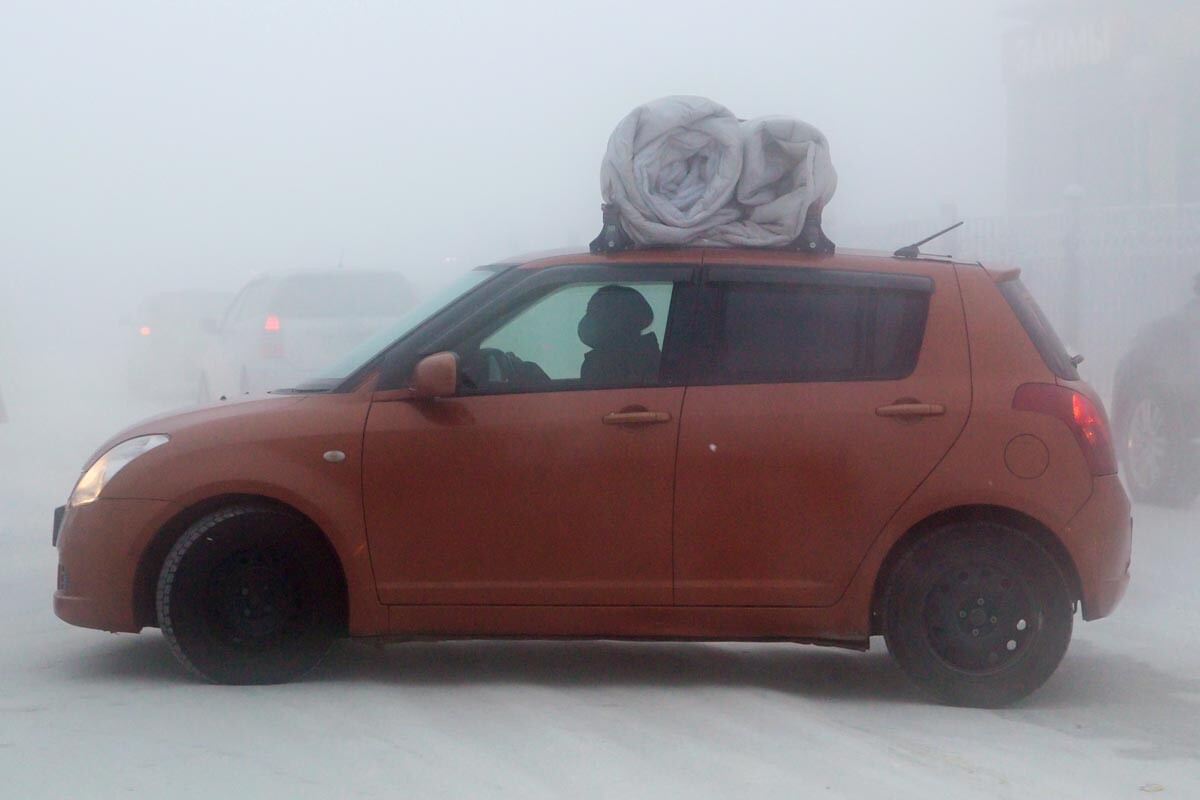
(1040, 331)
(797, 332)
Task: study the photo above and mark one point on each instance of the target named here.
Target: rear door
(238, 341)
(819, 401)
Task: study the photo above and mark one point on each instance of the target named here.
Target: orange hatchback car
(706, 444)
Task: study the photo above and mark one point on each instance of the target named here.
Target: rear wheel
(978, 614)
(1161, 466)
(249, 595)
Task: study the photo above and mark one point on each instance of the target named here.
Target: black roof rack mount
(612, 238)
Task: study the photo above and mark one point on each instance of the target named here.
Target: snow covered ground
(90, 714)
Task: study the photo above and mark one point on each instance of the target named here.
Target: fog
(196, 144)
(157, 157)
(150, 147)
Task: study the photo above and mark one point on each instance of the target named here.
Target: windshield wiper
(318, 386)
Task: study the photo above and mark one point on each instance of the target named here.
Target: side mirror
(435, 376)
(209, 325)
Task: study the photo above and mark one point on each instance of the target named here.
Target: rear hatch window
(348, 295)
(1040, 331)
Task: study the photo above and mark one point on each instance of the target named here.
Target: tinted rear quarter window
(1039, 329)
(797, 332)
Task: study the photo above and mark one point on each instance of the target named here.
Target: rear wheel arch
(1036, 530)
(154, 555)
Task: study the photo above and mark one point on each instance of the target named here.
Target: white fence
(1100, 273)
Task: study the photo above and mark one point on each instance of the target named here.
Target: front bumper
(1100, 540)
(99, 547)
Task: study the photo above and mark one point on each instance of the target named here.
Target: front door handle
(911, 410)
(636, 417)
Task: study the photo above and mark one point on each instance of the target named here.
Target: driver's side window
(578, 336)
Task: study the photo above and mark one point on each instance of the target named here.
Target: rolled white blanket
(682, 170)
(786, 170)
(672, 169)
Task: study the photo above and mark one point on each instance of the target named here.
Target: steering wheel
(488, 366)
(499, 365)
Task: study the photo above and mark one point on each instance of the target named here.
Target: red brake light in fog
(271, 344)
(1079, 413)
(144, 330)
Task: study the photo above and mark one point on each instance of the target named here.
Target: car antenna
(914, 250)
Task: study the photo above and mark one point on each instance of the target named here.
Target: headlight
(109, 464)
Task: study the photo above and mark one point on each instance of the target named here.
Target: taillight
(1080, 414)
(144, 330)
(271, 345)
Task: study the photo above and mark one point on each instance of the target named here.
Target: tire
(1160, 463)
(250, 595)
(977, 614)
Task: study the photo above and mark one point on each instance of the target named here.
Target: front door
(549, 478)
(821, 401)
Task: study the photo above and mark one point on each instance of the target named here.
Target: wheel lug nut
(993, 620)
(962, 615)
(974, 631)
(979, 602)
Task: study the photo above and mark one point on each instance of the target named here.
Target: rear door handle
(636, 417)
(911, 410)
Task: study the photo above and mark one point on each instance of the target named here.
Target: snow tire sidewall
(182, 600)
(917, 572)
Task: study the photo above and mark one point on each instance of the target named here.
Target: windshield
(365, 351)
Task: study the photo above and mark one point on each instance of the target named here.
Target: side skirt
(633, 623)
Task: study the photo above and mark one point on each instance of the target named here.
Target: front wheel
(249, 595)
(978, 614)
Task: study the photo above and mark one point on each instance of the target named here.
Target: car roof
(878, 260)
(327, 273)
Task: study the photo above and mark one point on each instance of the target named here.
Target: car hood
(202, 420)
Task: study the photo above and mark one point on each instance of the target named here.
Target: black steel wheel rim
(255, 599)
(980, 617)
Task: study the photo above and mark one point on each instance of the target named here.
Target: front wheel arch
(1012, 518)
(155, 554)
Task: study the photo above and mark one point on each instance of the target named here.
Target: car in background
(281, 329)
(167, 339)
(1156, 408)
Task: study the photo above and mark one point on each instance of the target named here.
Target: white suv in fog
(279, 329)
